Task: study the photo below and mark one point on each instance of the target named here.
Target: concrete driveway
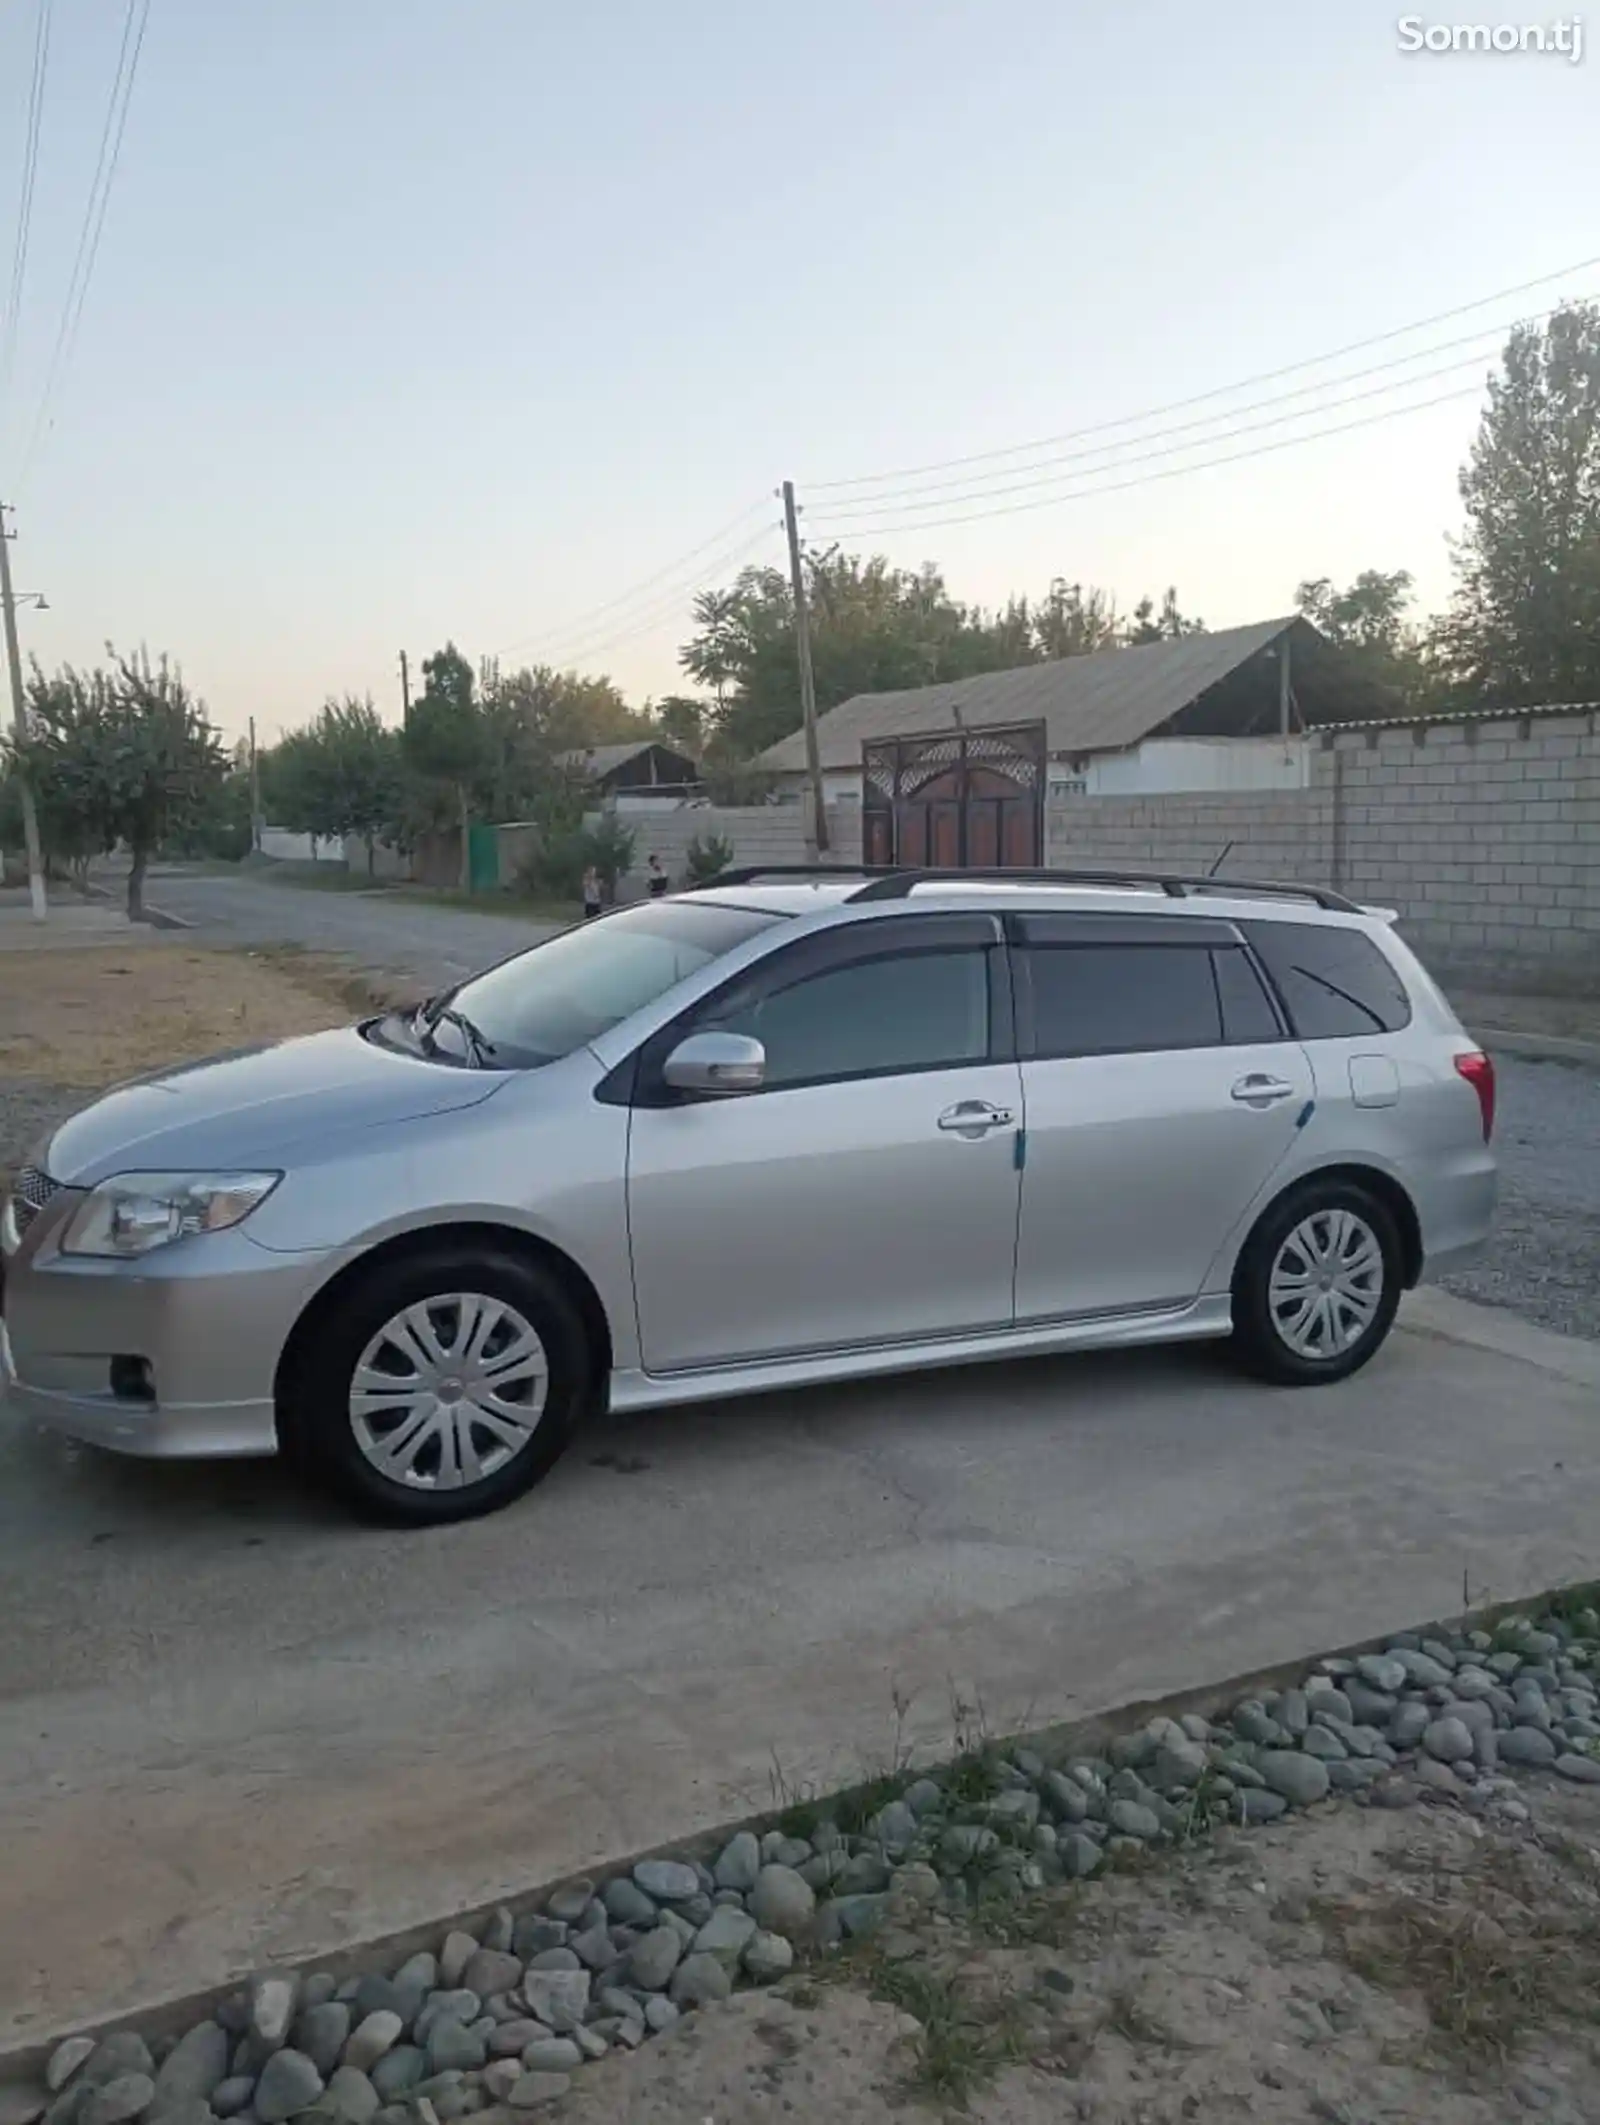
(233, 1727)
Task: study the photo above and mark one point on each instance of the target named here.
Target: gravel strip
(1543, 1259)
(498, 2021)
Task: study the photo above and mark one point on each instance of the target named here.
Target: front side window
(922, 1010)
(550, 1001)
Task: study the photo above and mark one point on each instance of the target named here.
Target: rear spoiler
(1382, 914)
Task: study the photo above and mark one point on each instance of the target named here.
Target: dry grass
(1493, 1952)
(93, 1017)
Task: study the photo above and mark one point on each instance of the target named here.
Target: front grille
(31, 1189)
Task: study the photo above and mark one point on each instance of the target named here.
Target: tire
(406, 1320)
(1274, 1337)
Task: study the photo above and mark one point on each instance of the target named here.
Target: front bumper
(208, 1317)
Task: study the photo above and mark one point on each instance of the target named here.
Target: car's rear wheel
(442, 1385)
(1317, 1285)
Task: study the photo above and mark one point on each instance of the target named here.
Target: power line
(626, 597)
(910, 511)
(1180, 405)
(661, 610)
(1173, 472)
(979, 486)
(94, 216)
(30, 168)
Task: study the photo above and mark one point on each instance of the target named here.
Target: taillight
(1478, 1071)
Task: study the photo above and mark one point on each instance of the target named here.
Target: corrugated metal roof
(1468, 715)
(1099, 703)
(602, 760)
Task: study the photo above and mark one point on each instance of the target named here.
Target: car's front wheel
(441, 1385)
(1317, 1285)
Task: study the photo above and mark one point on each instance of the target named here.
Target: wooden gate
(958, 800)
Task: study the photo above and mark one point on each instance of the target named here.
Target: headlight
(132, 1213)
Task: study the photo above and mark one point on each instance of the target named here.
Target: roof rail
(896, 881)
(1177, 885)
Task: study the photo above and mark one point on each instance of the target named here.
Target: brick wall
(1485, 835)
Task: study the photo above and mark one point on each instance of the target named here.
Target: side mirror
(722, 1064)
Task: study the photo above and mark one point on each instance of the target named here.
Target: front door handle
(973, 1118)
(1259, 1090)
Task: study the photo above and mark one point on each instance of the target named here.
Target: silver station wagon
(786, 1130)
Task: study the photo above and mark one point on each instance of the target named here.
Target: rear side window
(1121, 999)
(1335, 983)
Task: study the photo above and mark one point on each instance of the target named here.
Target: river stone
(1372, 1708)
(1448, 1741)
(320, 2032)
(1422, 1670)
(1292, 1713)
(669, 1881)
(767, 1957)
(553, 2054)
(1582, 1770)
(593, 1948)
(1408, 1725)
(124, 2052)
(558, 1998)
(652, 1959)
(782, 1903)
(534, 2090)
(129, 2095)
(398, 2070)
(535, 1933)
(1066, 1797)
(1440, 1776)
(924, 1797)
(1382, 1671)
(895, 1828)
(491, 1970)
(372, 2036)
(1255, 1805)
(659, 2013)
(349, 2095)
(700, 1981)
(500, 2076)
(1080, 1856)
(1527, 1746)
(1252, 1723)
(1131, 1819)
(289, 2083)
(1301, 1780)
(231, 2096)
(272, 2004)
(70, 2054)
(1324, 1742)
(452, 2044)
(419, 1973)
(963, 1843)
(738, 1863)
(726, 1934)
(1327, 1703)
(1179, 1763)
(198, 2063)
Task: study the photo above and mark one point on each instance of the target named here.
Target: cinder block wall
(1485, 835)
(760, 833)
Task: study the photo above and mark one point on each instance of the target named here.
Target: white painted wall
(277, 841)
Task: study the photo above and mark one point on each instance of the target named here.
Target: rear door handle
(975, 1117)
(1259, 1090)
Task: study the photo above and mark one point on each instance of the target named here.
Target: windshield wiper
(480, 1049)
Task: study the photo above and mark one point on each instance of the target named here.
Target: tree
(446, 741)
(1367, 619)
(1166, 625)
(681, 720)
(338, 776)
(127, 754)
(1074, 622)
(1524, 626)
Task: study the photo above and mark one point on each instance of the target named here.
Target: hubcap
(448, 1391)
(1326, 1284)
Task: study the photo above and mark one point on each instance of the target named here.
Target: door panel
(1138, 1166)
(822, 1215)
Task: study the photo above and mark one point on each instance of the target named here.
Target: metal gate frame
(895, 770)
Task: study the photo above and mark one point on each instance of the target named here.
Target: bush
(707, 857)
(559, 865)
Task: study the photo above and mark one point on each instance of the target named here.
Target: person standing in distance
(656, 878)
(591, 893)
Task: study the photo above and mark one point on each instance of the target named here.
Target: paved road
(234, 1727)
(383, 932)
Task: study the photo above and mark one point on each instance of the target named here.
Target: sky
(502, 321)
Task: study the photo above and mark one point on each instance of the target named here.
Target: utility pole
(255, 792)
(405, 691)
(818, 837)
(19, 718)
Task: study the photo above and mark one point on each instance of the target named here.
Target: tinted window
(1335, 983)
(1247, 1013)
(872, 1017)
(1119, 999)
(561, 995)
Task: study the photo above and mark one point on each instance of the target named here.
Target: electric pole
(405, 691)
(818, 836)
(255, 792)
(19, 718)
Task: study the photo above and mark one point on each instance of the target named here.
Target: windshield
(564, 993)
